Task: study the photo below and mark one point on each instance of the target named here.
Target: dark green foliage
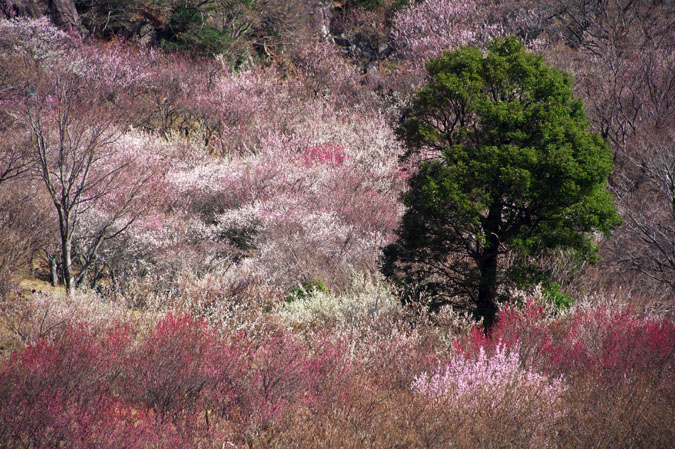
(203, 28)
(372, 5)
(107, 18)
(306, 290)
(189, 29)
(552, 291)
(509, 168)
(242, 238)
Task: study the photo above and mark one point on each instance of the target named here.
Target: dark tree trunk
(486, 303)
(64, 14)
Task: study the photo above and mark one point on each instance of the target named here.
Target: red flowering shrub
(329, 154)
(616, 344)
(179, 370)
(60, 394)
(181, 383)
(515, 326)
(284, 371)
(606, 340)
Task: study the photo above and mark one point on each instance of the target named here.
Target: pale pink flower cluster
(424, 30)
(497, 377)
(114, 66)
(37, 37)
(318, 189)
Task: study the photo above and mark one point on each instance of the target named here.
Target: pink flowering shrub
(498, 387)
(493, 374)
(37, 38)
(329, 76)
(618, 366)
(315, 200)
(423, 30)
(295, 174)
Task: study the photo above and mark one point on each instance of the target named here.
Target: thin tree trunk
(53, 271)
(68, 277)
(67, 252)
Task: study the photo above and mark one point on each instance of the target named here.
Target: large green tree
(508, 171)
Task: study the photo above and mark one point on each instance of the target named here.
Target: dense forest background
(194, 198)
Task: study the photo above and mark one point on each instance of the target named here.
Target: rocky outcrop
(62, 13)
(323, 16)
(19, 8)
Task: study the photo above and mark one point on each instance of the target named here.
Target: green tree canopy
(508, 170)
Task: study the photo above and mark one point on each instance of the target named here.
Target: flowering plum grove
(296, 176)
(185, 176)
(182, 382)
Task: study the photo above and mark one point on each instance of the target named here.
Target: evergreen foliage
(508, 168)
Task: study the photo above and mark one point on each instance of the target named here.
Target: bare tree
(623, 61)
(648, 245)
(13, 155)
(74, 124)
